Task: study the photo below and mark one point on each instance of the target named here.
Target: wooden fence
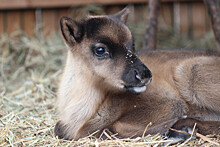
(34, 17)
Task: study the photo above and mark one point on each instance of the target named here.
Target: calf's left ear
(123, 14)
(72, 31)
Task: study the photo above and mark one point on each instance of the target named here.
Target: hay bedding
(29, 71)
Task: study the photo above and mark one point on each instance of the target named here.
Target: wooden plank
(1, 23)
(13, 21)
(19, 4)
(63, 12)
(184, 18)
(198, 19)
(150, 38)
(212, 7)
(113, 9)
(165, 18)
(208, 21)
(140, 14)
(49, 21)
(29, 22)
(176, 17)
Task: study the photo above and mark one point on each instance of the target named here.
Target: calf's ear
(123, 14)
(72, 31)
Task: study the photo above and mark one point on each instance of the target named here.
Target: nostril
(145, 77)
(141, 79)
(137, 76)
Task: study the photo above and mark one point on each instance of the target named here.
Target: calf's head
(105, 45)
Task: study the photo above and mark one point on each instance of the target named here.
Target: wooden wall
(41, 17)
(31, 21)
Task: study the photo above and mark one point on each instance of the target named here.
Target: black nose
(137, 75)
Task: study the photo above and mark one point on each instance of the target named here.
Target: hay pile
(29, 71)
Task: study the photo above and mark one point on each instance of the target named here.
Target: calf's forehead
(107, 27)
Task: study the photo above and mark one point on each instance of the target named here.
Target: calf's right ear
(72, 30)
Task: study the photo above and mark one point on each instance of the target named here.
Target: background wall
(41, 17)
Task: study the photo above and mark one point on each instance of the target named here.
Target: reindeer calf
(106, 85)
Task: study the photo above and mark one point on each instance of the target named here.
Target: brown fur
(91, 95)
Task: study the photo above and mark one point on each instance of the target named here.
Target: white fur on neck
(78, 99)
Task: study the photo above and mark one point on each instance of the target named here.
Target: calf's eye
(99, 51)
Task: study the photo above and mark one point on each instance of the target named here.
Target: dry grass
(29, 71)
